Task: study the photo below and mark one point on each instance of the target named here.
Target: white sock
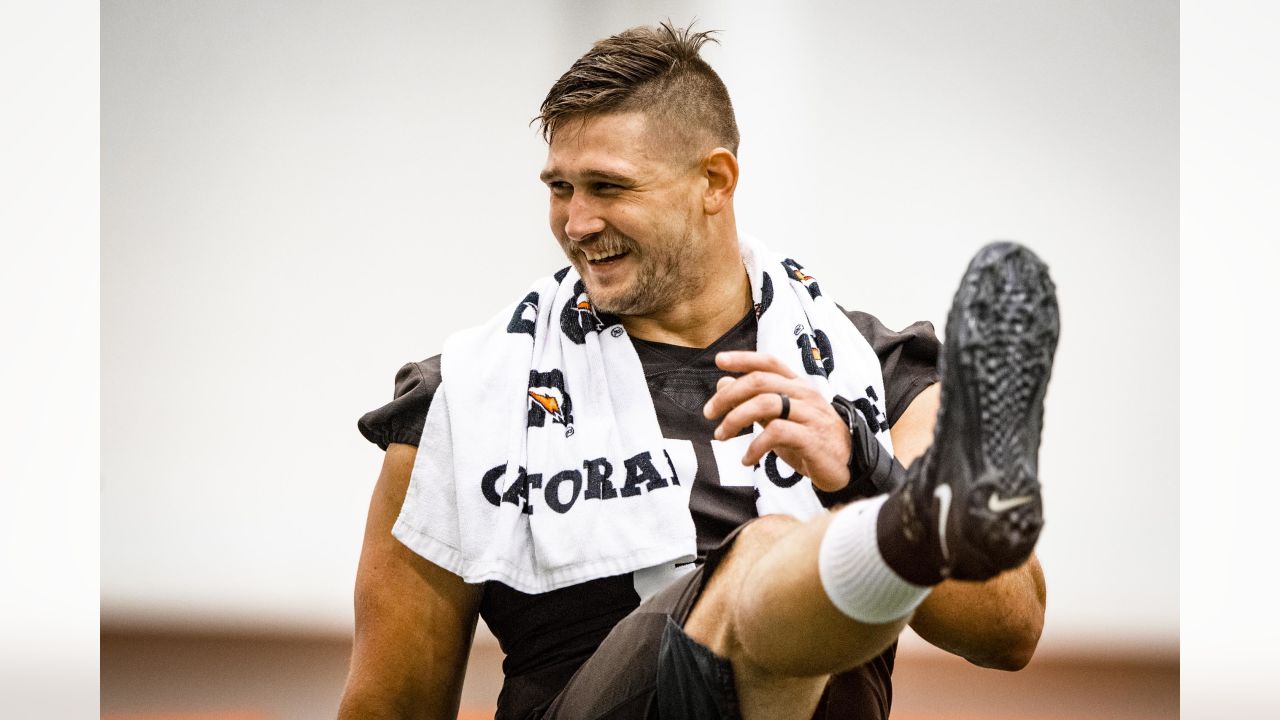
(856, 578)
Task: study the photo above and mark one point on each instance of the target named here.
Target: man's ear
(720, 168)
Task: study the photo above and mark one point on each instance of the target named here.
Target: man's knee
(754, 540)
(765, 530)
(711, 620)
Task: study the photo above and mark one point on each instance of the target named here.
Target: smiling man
(671, 476)
(631, 208)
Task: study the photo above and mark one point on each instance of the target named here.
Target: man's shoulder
(869, 325)
(881, 337)
(401, 420)
(420, 375)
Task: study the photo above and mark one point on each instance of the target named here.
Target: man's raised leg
(795, 602)
(765, 609)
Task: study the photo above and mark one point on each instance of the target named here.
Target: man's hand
(813, 440)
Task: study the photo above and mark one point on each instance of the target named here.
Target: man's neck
(700, 319)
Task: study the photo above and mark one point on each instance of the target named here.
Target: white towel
(542, 464)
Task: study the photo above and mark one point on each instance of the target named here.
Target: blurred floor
(148, 676)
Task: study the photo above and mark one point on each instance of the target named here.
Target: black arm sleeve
(402, 419)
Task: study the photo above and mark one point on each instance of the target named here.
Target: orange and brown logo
(815, 352)
(796, 271)
(579, 319)
(549, 399)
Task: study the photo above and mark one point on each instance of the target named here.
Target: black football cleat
(970, 508)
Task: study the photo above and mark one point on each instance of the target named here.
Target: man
(793, 614)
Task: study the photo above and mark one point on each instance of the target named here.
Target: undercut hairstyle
(653, 70)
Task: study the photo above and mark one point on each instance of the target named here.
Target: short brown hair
(651, 69)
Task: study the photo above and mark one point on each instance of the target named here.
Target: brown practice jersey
(547, 636)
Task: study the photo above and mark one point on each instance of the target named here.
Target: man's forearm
(993, 624)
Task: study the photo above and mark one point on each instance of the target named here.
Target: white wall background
(299, 196)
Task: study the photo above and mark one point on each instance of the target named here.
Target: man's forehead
(615, 144)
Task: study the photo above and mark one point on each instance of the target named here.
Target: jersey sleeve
(908, 359)
(402, 419)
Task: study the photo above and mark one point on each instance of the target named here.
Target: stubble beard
(663, 276)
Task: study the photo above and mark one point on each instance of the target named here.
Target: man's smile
(605, 268)
(605, 258)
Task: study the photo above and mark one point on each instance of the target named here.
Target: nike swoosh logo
(997, 504)
(943, 493)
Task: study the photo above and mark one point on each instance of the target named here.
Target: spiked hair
(654, 70)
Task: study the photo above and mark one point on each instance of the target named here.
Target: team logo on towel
(815, 352)
(549, 399)
(578, 318)
(524, 319)
(871, 411)
(796, 270)
(766, 295)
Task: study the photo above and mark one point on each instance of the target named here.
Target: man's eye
(606, 187)
(560, 188)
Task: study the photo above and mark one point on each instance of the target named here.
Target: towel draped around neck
(542, 464)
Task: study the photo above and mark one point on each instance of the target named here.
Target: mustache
(607, 243)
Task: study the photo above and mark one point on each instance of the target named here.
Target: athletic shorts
(647, 668)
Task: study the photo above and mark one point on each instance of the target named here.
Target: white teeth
(598, 258)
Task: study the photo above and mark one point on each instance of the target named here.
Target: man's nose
(583, 220)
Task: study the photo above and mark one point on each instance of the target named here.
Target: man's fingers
(731, 392)
(779, 433)
(763, 409)
(745, 361)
